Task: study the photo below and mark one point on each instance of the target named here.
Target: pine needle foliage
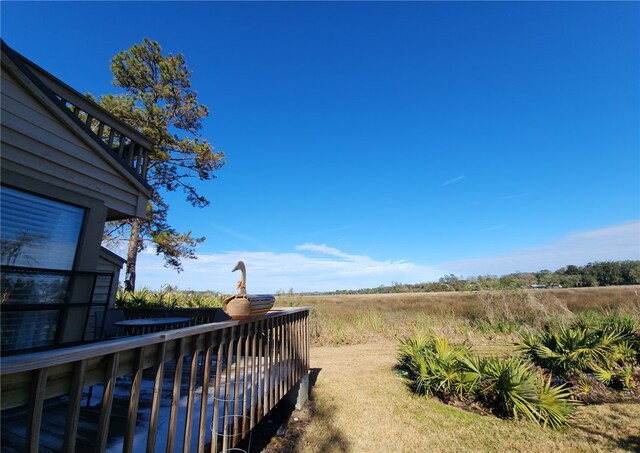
(156, 98)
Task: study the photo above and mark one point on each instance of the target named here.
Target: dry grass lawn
(359, 405)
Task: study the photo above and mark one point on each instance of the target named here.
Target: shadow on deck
(236, 374)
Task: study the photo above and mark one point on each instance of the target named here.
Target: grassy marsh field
(362, 318)
(358, 403)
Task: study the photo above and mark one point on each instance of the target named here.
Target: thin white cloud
(613, 243)
(515, 196)
(326, 250)
(451, 181)
(320, 267)
(312, 267)
(238, 235)
(495, 227)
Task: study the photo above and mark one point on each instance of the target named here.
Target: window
(38, 244)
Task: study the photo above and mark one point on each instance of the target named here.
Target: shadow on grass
(632, 443)
(265, 438)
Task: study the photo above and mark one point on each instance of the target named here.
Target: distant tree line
(605, 273)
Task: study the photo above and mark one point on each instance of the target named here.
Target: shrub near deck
(359, 405)
(508, 387)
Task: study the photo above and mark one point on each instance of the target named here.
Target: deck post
(299, 394)
(258, 363)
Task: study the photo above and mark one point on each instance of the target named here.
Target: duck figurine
(241, 286)
(243, 305)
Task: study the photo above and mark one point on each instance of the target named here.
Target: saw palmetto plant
(606, 349)
(509, 387)
(567, 348)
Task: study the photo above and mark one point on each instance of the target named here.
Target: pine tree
(158, 100)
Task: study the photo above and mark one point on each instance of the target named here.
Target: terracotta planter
(237, 307)
(246, 306)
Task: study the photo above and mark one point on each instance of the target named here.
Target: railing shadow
(279, 417)
(267, 430)
(156, 389)
(631, 443)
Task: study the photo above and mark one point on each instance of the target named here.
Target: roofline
(115, 258)
(22, 64)
(15, 55)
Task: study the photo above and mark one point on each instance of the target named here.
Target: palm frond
(556, 404)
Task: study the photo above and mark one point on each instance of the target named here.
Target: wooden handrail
(197, 315)
(33, 361)
(237, 372)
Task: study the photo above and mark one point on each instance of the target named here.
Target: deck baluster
(216, 393)
(36, 406)
(107, 401)
(75, 403)
(247, 377)
(260, 367)
(257, 363)
(236, 387)
(206, 376)
(134, 398)
(175, 397)
(157, 396)
(191, 397)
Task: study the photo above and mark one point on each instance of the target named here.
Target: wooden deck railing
(125, 143)
(208, 384)
(198, 315)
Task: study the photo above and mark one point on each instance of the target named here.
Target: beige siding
(35, 143)
(47, 153)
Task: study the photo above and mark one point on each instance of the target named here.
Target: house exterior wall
(104, 293)
(111, 263)
(48, 156)
(37, 144)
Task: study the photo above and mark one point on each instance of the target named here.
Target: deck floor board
(13, 425)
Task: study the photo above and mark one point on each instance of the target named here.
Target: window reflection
(28, 329)
(29, 287)
(38, 243)
(38, 232)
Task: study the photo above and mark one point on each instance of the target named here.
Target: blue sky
(372, 142)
